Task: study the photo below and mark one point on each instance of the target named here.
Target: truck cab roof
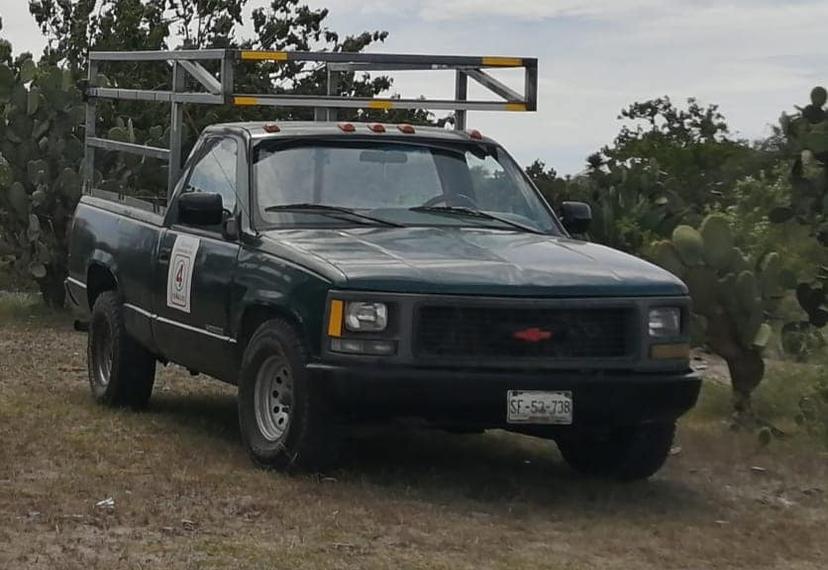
(257, 130)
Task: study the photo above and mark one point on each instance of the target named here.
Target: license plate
(537, 407)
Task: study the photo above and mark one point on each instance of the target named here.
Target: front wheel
(284, 416)
(625, 454)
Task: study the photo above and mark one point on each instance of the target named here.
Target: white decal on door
(180, 273)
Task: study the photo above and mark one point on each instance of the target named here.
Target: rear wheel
(284, 416)
(626, 454)
(121, 371)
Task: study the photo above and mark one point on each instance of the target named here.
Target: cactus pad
(664, 254)
(719, 252)
(689, 244)
(747, 292)
(770, 276)
(702, 283)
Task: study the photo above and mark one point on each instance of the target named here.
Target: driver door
(196, 267)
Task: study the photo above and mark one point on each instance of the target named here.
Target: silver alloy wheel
(273, 397)
(103, 352)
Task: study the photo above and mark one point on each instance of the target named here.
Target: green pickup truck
(341, 273)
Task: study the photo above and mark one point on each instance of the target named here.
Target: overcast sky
(755, 58)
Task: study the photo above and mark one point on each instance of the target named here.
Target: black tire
(121, 371)
(625, 454)
(299, 434)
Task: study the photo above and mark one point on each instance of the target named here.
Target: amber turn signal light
(335, 318)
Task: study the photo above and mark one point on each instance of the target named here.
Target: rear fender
(100, 260)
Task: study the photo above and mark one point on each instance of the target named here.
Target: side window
(215, 171)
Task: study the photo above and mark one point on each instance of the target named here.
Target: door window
(215, 171)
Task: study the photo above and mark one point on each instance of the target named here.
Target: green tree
(548, 182)
(692, 146)
(66, 26)
(667, 165)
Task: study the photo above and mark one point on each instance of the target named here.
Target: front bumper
(477, 398)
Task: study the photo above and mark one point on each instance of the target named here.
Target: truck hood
(470, 261)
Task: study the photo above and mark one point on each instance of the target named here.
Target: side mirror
(576, 217)
(200, 209)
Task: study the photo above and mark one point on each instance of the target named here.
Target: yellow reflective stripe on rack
(515, 106)
(503, 61)
(381, 104)
(265, 55)
(245, 101)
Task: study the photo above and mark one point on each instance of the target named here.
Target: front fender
(267, 287)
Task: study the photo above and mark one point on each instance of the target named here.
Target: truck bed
(122, 235)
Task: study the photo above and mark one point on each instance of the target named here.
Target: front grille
(524, 332)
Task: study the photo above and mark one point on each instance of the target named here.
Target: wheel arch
(258, 312)
(99, 278)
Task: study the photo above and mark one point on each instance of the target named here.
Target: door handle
(164, 255)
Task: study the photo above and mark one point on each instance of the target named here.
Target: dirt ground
(87, 487)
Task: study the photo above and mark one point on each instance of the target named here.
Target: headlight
(665, 321)
(366, 317)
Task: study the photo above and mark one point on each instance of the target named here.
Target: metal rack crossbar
(219, 89)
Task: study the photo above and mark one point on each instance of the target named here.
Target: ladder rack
(220, 90)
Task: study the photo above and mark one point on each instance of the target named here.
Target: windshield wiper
(463, 211)
(332, 211)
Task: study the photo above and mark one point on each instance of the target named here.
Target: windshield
(400, 183)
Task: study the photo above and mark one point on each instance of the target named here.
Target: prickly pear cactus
(807, 135)
(40, 154)
(732, 296)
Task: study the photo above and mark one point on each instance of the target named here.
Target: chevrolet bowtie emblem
(533, 334)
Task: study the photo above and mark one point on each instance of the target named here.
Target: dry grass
(186, 496)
